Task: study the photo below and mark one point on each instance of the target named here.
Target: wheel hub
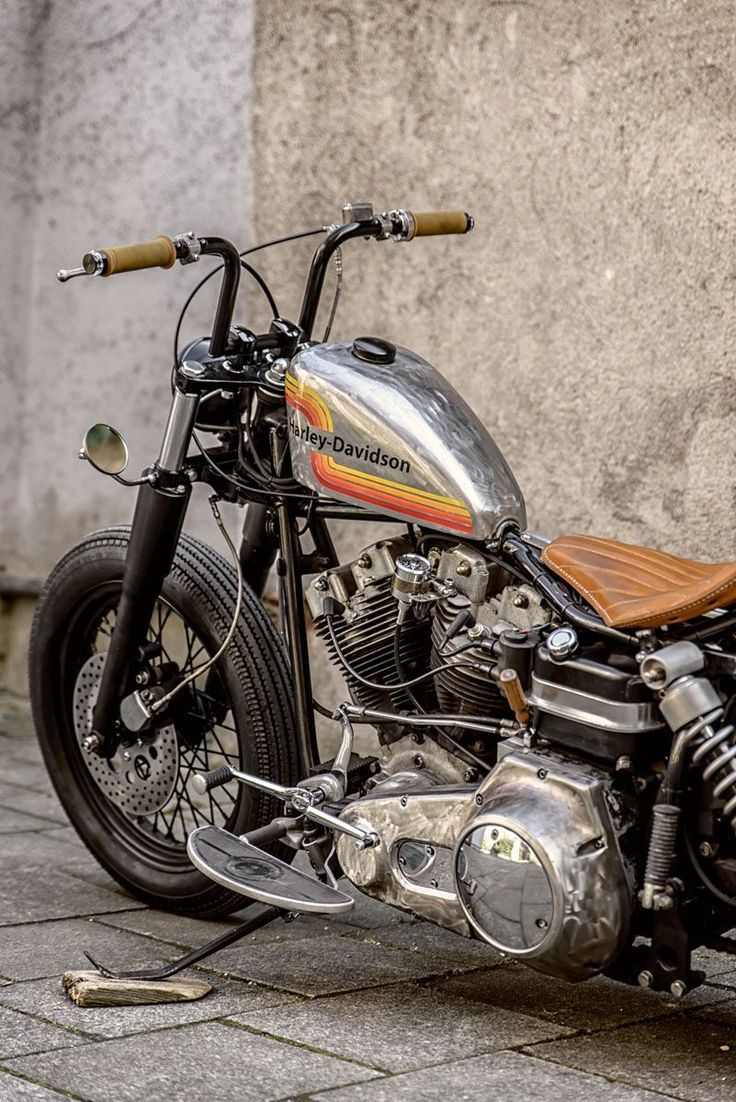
(139, 779)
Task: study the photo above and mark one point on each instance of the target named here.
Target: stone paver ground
(374, 1007)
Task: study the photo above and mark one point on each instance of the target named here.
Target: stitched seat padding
(637, 587)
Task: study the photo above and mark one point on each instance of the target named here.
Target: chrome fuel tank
(392, 436)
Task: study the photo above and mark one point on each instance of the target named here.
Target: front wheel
(136, 811)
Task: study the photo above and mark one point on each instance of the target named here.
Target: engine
(539, 859)
(535, 861)
(450, 633)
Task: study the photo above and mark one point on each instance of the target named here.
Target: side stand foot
(196, 955)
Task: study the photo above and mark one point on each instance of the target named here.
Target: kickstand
(193, 957)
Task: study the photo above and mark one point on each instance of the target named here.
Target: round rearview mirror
(105, 449)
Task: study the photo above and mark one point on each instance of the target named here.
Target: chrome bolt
(419, 761)
(91, 742)
(404, 801)
(126, 755)
(479, 800)
(464, 569)
(623, 764)
(521, 601)
(678, 988)
(141, 678)
(645, 978)
(706, 849)
(321, 584)
(433, 884)
(365, 562)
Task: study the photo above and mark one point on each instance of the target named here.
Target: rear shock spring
(716, 754)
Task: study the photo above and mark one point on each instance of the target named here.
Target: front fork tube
(154, 535)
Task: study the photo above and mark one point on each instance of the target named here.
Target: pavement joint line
(459, 970)
(89, 916)
(33, 815)
(613, 1027)
(245, 1028)
(601, 1075)
(42, 1083)
(25, 829)
(37, 790)
(61, 918)
(92, 1037)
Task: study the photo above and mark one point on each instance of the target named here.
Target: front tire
(240, 712)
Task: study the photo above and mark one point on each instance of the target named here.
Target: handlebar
(162, 252)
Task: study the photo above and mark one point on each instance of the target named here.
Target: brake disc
(140, 778)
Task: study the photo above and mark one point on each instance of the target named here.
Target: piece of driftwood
(92, 989)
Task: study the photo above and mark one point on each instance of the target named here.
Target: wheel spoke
(217, 742)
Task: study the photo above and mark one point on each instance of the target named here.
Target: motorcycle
(555, 759)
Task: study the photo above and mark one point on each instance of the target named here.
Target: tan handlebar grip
(431, 223)
(159, 253)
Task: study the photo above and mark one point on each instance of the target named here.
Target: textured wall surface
(590, 317)
(118, 128)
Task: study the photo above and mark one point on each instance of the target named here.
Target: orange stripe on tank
(352, 476)
(298, 389)
(303, 405)
(393, 499)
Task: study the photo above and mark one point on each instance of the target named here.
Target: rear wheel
(136, 811)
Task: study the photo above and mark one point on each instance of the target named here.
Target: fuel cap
(374, 350)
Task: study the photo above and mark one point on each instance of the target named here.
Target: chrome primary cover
(397, 439)
(539, 871)
(140, 783)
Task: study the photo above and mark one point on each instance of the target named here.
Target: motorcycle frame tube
(296, 626)
(258, 546)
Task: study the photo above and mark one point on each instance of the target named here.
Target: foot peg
(242, 867)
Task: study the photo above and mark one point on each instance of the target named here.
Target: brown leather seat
(637, 587)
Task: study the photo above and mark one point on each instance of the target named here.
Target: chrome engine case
(428, 819)
(540, 871)
(529, 862)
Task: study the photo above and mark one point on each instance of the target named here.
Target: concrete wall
(120, 121)
(590, 317)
